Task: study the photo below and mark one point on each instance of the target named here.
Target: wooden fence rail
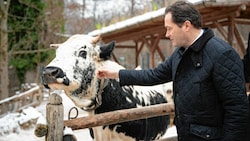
(53, 107)
(31, 97)
(119, 116)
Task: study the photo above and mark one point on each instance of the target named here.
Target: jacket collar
(197, 47)
(200, 42)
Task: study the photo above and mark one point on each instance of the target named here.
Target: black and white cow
(73, 70)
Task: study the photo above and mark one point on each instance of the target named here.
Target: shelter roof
(212, 12)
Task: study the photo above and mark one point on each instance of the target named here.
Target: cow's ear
(54, 45)
(106, 50)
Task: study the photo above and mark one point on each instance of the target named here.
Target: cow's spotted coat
(73, 70)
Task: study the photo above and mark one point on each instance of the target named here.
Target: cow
(74, 70)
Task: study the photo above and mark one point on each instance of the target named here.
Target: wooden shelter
(148, 29)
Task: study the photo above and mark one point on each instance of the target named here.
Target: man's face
(174, 33)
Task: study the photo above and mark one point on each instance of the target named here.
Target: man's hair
(182, 11)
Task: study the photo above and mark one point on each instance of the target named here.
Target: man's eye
(83, 54)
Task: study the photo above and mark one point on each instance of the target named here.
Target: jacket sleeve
(246, 61)
(161, 74)
(230, 85)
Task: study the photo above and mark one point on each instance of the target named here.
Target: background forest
(29, 26)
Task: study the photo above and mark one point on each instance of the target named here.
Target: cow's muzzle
(53, 75)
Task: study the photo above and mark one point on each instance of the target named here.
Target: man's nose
(167, 35)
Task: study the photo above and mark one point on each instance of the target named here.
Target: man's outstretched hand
(107, 73)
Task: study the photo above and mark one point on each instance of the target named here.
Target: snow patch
(13, 122)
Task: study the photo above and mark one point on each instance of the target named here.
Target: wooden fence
(54, 112)
(31, 97)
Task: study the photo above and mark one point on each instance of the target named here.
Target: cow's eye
(82, 54)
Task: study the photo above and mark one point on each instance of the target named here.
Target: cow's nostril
(50, 75)
(53, 72)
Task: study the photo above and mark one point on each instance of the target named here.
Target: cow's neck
(112, 97)
(97, 99)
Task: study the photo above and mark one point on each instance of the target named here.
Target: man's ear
(106, 50)
(187, 24)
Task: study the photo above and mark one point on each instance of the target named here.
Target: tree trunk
(4, 74)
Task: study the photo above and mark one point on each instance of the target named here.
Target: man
(208, 79)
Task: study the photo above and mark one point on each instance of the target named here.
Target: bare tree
(76, 22)
(4, 74)
(54, 21)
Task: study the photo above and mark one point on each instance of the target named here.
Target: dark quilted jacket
(209, 89)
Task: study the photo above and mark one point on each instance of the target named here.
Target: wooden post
(54, 117)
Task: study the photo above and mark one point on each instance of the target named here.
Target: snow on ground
(10, 129)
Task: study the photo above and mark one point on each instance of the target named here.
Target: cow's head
(73, 69)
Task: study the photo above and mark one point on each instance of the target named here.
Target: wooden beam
(242, 21)
(212, 25)
(156, 47)
(141, 46)
(155, 42)
(220, 14)
(230, 31)
(135, 34)
(138, 51)
(146, 40)
(150, 46)
(222, 31)
(239, 40)
(120, 116)
(115, 59)
(136, 54)
(160, 53)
